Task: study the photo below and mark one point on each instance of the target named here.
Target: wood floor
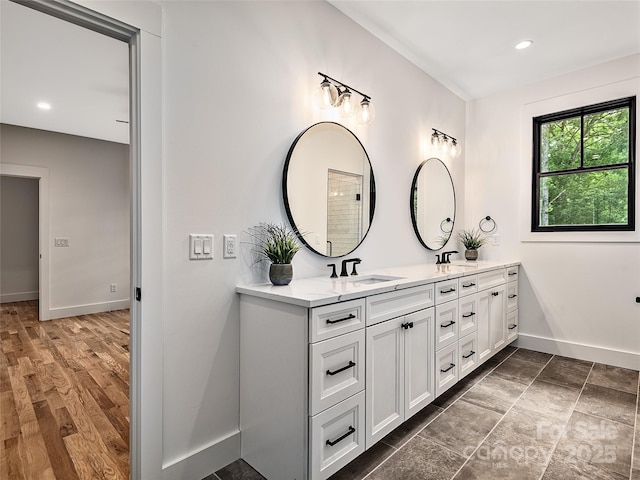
(64, 395)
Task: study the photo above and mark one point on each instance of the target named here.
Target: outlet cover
(230, 246)
(61, 242)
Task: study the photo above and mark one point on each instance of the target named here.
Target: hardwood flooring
(64, 395)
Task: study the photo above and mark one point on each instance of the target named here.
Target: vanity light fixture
(334, 93)
(444, 145)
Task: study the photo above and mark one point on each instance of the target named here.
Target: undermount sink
(371, 279)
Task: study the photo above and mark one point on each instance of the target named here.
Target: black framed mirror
(329, 189)
(433, 204)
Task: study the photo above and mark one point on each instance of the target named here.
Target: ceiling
(466, 45)
(82, 74)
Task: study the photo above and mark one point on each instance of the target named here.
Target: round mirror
(433, 204)
(329, 189)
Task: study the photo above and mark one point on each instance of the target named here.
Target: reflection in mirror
(329, 189)
(433, 204)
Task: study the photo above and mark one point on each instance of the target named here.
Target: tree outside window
(583, 175)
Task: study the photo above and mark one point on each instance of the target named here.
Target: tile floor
(522, 415)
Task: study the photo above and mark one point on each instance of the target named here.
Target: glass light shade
(436, 144)
(367, 112)
(347, 104)
(326, 95)
(455, 149)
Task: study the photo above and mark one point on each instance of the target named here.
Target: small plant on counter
(277, 244)
(472, 240)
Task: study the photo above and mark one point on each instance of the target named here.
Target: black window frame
(627, 102)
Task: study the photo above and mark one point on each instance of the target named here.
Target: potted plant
(472, 241)
(277, 244)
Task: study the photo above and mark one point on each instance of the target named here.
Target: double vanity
(330, 366)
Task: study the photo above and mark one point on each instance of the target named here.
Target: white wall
(18, 239)
(577, 298)
(89, 204)
(238, 87)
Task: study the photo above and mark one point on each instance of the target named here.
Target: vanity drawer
(492, 278)
(467, 354)
(446, 324)
(446, 291)
(336, 436)
(512, 326)
(467, 315)
(397, 303)
(468, 285)
(512, 296)
(336, 319)
(336, 370)
(512, 273)
(446, 368)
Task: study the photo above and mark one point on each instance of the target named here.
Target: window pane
(560, 145)
(606, 138)
(594, 198)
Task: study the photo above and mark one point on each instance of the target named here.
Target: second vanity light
(443, 144)
(334, 93)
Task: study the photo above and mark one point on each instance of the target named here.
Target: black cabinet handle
(346, 367)
(407, 325)
(471, 354)
(447, 325)
(495, 294)
(337, 440)
(468, 285)
(513, 296)
(448, 291)
(512, 326)
(637, 299)
(451, 365)
(512, 273)
(349, 317)
(467, 315)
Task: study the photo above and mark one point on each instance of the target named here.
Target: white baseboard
(580, 351)
(63, 312)
(202, 463)
(18, 297)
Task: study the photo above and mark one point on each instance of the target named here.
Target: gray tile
(595, 445)
(419, 459)
(550, 399)
(365, 463)
(502, 355)
(412, 426)
(499, 465)
(635, 474)
(526, 435)
(518, 370)
(462, 427)
(494, 393)
(608, 403)
(566, 371)
(559, 469)
(451, 395)
(238, 470)
(532, 356)
(614, 377)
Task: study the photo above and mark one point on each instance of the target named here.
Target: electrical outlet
(61, 242)
(113, 287)
(230, 246)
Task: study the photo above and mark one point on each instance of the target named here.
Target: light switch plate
(200, 247)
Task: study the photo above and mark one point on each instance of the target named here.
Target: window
(583, 168)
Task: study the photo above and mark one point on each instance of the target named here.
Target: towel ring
(443, 223)
(487, 224)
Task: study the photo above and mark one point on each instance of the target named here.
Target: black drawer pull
(448, 291)
(512, 326)
(495, 294)
(467, 315)
(512, 273)
(407, 325)
(349, 317)
(447, 325)
(471, 354)
(513, 296)
(468, 285)
(451, 365)
(346, 367)
(337, 440)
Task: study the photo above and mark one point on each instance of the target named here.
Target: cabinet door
(385, 378)
(467, 315)
(467, 354)
(512, 296)
(446, 324)
(419, 354)
(512, 326)
(484, 326)
(446, 368)
(497, 311)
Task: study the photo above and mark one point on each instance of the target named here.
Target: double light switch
(200, 247)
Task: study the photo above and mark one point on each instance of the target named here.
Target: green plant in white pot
(472, 240)
(277, 244)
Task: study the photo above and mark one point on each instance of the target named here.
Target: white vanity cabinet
(400, 356)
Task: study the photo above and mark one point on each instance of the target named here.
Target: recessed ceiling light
(44, 106)
(524, 44)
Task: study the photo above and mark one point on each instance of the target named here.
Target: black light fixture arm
(444, 134)
(345, 86)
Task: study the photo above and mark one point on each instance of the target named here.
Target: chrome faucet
(343, 271)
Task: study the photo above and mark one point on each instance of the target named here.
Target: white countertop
(314, 292)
